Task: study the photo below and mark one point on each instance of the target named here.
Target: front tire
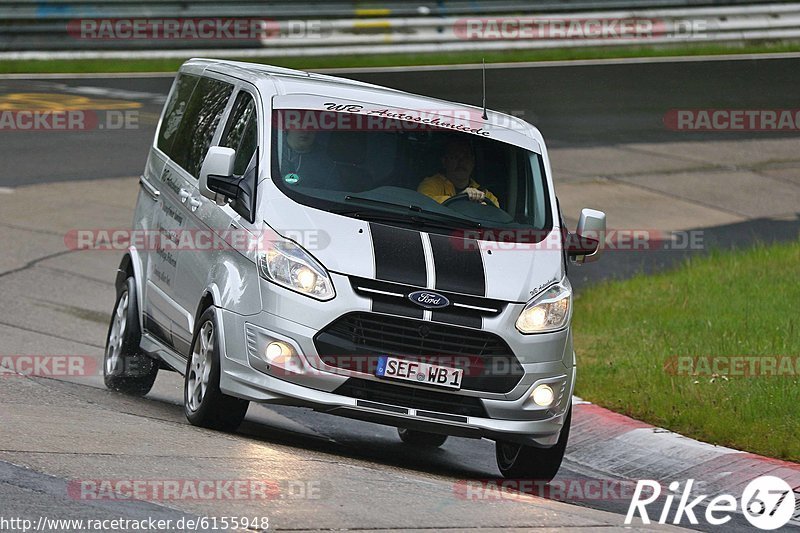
(203, 402)
(125, 368)
(517, 461)
(421, 438)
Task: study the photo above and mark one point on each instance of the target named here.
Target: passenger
(458, 162)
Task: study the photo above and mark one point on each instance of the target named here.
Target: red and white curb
(621, 447)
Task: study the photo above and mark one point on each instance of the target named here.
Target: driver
(306, 163)
(458, 162)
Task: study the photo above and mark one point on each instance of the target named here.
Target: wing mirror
(217, 181)
(585, 244)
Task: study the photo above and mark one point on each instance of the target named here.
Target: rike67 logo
(767, 502)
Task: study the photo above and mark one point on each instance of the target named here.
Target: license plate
(418, 372)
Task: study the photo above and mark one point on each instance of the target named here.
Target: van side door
(193, 135)
(232, 228)
(159, 255)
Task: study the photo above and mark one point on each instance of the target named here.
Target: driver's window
(241, 132)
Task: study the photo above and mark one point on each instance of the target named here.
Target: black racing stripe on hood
(400, 308)
(470, 320)
(459, 265)
(399, 255)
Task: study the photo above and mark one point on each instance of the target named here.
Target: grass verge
(171, 65)
(736, 303)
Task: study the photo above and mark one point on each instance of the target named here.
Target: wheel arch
(208, 300)
(131, 265)
(211, 300)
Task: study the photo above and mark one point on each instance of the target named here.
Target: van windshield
(403, 173)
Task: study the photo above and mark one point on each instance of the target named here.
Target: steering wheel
(460, 197)
(485, 211)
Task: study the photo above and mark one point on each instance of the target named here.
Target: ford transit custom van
(313, 241)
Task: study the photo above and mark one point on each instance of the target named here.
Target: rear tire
(125, 368)
(517, 461)
(421, 438)
(203, 402)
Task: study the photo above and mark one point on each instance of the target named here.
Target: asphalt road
(58, 302)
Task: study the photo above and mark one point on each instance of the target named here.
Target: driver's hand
(474, 194)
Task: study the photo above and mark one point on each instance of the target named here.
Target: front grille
(439, 402)
(415, 337)
(393, 298)
(488, 363)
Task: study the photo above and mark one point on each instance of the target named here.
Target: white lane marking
(6, 190)
(88, 75)
(107, 92)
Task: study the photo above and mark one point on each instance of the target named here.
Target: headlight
(289, 265)
(548, 311)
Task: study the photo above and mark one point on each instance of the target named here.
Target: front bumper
(308, 382)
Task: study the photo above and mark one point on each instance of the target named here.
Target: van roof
(261, 70)
(291, 81)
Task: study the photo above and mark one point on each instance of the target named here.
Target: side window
(176, 108)
(200, 119)
(241, 132)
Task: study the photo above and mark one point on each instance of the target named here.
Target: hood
(510, 272)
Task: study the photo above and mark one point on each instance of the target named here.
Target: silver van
(324, 243)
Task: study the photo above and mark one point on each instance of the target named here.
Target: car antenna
(483, 61)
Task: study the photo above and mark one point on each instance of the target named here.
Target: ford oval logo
(428, 299)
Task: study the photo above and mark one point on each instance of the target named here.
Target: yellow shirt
(440, 189)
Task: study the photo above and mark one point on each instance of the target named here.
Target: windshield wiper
(351, 198)
(452, 220)
(374, 216)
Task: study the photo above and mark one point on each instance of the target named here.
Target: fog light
(277, 352)
(543, 395)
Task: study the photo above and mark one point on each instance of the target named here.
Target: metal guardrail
(49, 37)
(280, 9)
